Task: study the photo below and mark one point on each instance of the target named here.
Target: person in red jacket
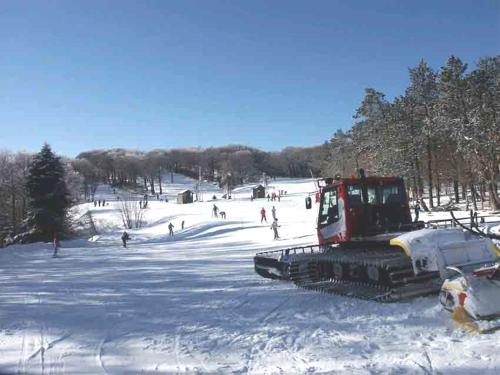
(263, 215)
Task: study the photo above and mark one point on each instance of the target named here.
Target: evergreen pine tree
(423, 92)
(48, 196)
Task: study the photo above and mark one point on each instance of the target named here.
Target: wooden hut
(259, 191)
(185, 196)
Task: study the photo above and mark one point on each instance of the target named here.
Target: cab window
(355, 195)
(372, 194)
(329, 211)
(392, 194)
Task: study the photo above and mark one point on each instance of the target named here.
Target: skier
(103, 202)
(263, 215)
(95, 203)
(268, 197)
(171, 229)
(222, 214)
(273, 212)
(274, 227)
(215, 211)
(125, 238)
(56, 245)
(417, 210)
(182, 225)
(99, 203)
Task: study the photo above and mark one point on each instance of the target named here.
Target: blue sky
(147, 74)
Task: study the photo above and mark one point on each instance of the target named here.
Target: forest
(442, 135)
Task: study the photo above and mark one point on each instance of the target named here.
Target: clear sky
(147, 74)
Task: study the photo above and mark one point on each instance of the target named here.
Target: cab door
(331, 218)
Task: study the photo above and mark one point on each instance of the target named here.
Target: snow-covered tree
(48, 196)
(481, 136)
(423, 93)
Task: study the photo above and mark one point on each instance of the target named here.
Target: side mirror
(308, 203)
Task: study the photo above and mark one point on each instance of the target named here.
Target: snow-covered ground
(193, 303)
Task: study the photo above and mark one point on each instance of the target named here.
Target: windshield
(392, 194)
(388, 194)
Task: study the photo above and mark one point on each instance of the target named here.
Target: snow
(193, 303)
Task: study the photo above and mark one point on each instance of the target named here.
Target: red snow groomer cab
(357, 209)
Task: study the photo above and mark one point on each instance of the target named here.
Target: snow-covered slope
(193, 303)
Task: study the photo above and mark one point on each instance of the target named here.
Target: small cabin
(259, 191)
(185, 196)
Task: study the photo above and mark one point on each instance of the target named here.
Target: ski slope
(193, 304)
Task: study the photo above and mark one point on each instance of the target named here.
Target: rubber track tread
(396, 278)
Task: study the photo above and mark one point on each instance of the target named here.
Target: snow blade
(274, 264)
(465, 321)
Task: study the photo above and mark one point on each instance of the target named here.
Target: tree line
(233, 164)
(442, 135)
(443, 132)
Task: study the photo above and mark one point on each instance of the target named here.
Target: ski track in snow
(99, 354)
(193, 304)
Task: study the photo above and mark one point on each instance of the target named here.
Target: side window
(329, 211)
(392, 194)
(355, 195)
(372, 194)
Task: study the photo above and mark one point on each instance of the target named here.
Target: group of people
(216, 212)
(274, 225)
(263, 216)
(126, 237)
(160, 198)
(171, 228)
(99, 203)
(273, 197)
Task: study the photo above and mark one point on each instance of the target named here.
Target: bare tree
(131, 213)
